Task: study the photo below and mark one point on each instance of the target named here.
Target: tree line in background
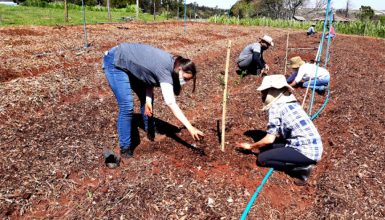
(276, 9)
(286, 9)
(172, 8)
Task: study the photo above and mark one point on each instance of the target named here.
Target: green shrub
(369, 28)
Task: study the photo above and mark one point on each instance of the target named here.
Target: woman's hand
(245, 146)
(267, 68)
(148, 109)
(195, 133)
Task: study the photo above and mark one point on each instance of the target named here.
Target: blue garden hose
(255, 195)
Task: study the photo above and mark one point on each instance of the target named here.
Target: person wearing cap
(135, 67)
(251, 58)
(305, 73)
(288, 121)
(311, 30)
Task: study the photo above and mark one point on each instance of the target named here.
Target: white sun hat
(277, 81)
(268, 40)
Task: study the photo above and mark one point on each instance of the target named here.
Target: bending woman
(139, 68)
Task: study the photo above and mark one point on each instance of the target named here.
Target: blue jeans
(320, 84)
(122, 85)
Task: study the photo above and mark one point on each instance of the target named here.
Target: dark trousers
(282, 158)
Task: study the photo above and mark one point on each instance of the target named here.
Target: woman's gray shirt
(149, 64)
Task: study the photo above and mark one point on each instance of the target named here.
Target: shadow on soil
(162, 128)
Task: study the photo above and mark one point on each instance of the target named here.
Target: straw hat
(296, 62)
(274, 81)
(268, 40)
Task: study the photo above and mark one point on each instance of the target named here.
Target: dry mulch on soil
(57, 114)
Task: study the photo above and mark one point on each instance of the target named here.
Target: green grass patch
(370, 28)
(54, 15)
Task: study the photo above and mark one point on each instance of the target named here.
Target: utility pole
(65, 11)
(154, 8)
(108, 9)
(137, 9)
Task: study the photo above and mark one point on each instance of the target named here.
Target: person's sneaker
(126, 153)
(151, 136)
(111, 159)
(321, 90)
(241, 72)
(302, 174)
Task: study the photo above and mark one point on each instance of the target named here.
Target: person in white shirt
(311, 30)
(305, 73)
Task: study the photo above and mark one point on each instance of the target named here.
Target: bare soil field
(57, 114)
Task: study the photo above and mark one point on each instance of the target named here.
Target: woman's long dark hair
(188, 67)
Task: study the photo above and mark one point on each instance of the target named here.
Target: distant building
(8, 2)
(299, 18)
(336, 18)
(379, 13)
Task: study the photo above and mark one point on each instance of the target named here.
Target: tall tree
(366, 13)
(292, 6)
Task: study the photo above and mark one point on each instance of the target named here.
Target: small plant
(221, 79)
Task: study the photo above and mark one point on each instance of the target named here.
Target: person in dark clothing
(287, 120)
(139, 68)
(251, 58)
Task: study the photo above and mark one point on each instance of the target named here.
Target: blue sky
(355, 4)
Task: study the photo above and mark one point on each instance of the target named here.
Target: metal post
(185, 11)
(137, 9)
(84, 22)
(108, 10)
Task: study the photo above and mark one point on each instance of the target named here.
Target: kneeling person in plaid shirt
(287, 120)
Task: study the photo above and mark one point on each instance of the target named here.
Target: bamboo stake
(225, 97)
(287, 46)
(303, 48)
(308, 86)
(304, 98)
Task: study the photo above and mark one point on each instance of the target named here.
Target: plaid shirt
(291, 122)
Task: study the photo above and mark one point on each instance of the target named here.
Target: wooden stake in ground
(225, 97)
(65, 11)
(287, 46)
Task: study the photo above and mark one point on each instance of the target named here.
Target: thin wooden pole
(304, 98)
(303, 48)
(65, 11)
(287, 46)
(317, 58)
(225, 97)
(109, 10)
